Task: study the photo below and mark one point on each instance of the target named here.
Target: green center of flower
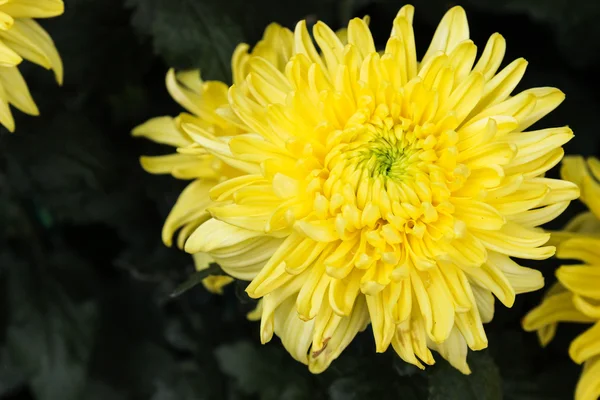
(382, 153)
(384, 157)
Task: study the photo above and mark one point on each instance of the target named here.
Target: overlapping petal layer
(576, 296)
(207, 110)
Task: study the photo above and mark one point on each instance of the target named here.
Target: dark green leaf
(190, 34)
(204, 34)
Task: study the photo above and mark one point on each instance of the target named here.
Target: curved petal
(162, 130)
(295, 334)
(586, 345)
(557, 308)
(33, 8)
(454, 349)
(17, 92)
(452, 30)
(588, 387)
(240, 252)
(583, 280)
(190, 206)
(336, 340)
(28, 39)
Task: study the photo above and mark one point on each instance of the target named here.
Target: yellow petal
(17, 92)
(586, 345)
(320, 231)
(492, 56)
(33, 43)
(190, 206)
(581, 248)
(442, 306)
(360, 36)
(341, 337)
(288, 263)
(382, 320)
(522, 280)
(539, 216)
(547, 99)
(162, 130)
(583, 280)
(271, 302)
(471, 327)
(33, 8)
(452, 30)
(557, 308)
(478, 214)
(490, 277)
(517, 241)
(188, 97)
(304, 45)
(295, 334)
(343, 293)
(502, 85)
(485, 303)
(181, 166)
(241, 253)
(330, 44)
(6, 21)
(405, 344)
(8, 57)
(454, 350)
(588, 387)
(6, 118)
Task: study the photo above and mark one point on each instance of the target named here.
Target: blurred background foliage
(85, 279)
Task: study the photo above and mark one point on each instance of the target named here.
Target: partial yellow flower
(576, 296)
(377, 189)
(23, 38)
(205, 103)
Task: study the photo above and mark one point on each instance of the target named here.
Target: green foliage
(484, 383)
(193, 34)
(85, 281)
(202, 35)
(255, 372)
(49, 337)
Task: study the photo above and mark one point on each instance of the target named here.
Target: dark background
(85, 280)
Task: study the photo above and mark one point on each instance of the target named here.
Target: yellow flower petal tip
(576, 297)
(353, 185)
(23, 38)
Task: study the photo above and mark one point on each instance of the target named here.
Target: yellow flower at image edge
(352, 187)
(23, 38)
(576, 296)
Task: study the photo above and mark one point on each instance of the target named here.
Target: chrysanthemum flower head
(576, 296)
(23, 38)
(376, 189)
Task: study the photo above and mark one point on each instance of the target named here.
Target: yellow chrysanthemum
(576, 296)
(205, 101)
(23, 38)
(368, 188)
(377, 189)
